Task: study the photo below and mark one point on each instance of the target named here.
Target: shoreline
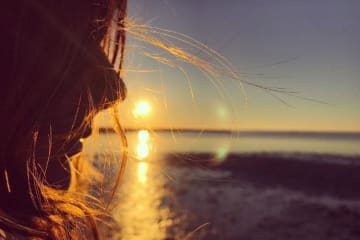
(246, 133)
(312, 174)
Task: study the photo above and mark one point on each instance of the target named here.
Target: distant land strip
(246, 133)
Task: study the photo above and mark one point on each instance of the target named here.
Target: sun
(142, 108)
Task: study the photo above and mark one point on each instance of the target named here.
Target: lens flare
(221, 154)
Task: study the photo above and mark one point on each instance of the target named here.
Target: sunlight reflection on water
(141, 213)
(142, 172)
(143, 147)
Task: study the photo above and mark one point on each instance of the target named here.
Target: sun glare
(143, 147)
(142, 108)
(142, 172)
(143, 136)
(142, 150)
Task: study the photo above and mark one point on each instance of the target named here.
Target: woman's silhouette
(56, 73)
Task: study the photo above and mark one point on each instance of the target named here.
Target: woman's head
(55, 77)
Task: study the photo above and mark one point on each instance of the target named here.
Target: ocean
(234, 142)
(223, 185)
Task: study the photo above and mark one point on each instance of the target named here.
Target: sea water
(196, 142)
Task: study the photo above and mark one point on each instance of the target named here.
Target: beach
(272, 196)
(182, 193)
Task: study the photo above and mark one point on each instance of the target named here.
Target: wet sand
(244, 196)
(273, 196)
(313, 174)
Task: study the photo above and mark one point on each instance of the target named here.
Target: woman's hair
(61, 63)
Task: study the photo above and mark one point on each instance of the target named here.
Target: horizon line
(232, 131)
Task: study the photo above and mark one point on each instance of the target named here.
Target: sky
(308, 47)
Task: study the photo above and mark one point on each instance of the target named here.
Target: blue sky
(311, 47)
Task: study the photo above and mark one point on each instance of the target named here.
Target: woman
(57, 65)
